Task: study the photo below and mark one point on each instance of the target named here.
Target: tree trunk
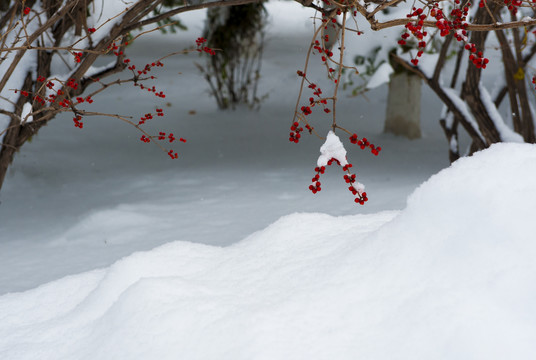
(403, 115)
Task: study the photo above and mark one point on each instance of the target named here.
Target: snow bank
(450, 277)
(381, 76)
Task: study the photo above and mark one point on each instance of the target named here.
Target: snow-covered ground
(224, 253)
(449, 277)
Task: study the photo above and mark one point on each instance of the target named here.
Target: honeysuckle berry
(306, 110)
(294, 137)
(361, 200)
(39, 99)
(72, 84)
(332, 160)
(145, 139)
(77, 122)
(315, 187)
(349, 178)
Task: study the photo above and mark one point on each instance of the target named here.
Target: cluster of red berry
(87, 99)
(77, 56)
(315, 186)
(313, 102)
(321, 50)
(512, 5)
(295, 131)
(307, 109)
(62, 96)
(52, 98)
(77, 122)
(355, 188)
(457, 24)
(145, 71)
(199, 42)
(172, 154)
(415, 29)
(145, 139)
(364, 143)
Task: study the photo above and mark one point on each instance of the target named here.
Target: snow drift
(450, 277)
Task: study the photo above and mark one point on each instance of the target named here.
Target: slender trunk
(403, 114)
(471, 91)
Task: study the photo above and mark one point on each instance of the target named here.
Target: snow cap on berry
(332, 149)
(360, 188)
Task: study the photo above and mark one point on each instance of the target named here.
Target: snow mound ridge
(490, 192)
(450, 277)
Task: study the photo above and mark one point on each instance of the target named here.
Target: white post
(403, 114)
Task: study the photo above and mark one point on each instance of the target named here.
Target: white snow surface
(104, 15)
(462, 106)
(428, 63)
(449, 277)
(381, 76)
(26, 112)
(507, 134)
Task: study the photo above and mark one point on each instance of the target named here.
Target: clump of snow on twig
(332, 149)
